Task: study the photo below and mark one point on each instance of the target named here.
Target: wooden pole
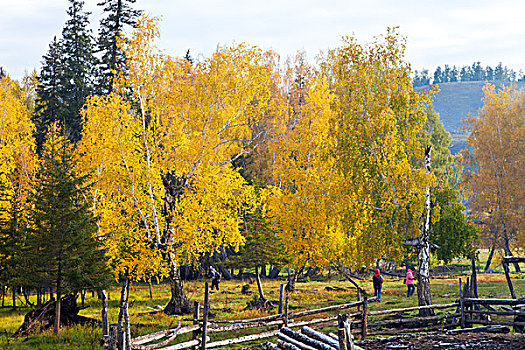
(281, 297)
(286, 311)
(461, 305)
(507, 276)
(205, 315)
(195, 333)
(358, 299)
(365, 318)
(342, 335)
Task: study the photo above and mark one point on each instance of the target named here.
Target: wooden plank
(158, 345)
(412, 320)
(246, 338)
(414, 308)
(495, 301)
(159, 335)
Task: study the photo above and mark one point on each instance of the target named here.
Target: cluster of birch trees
(189, 159)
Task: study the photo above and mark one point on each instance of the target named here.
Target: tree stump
(43, 317)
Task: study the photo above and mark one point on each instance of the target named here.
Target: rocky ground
(427, 341)
(435, 341)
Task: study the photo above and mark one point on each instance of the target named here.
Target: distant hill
(455, 101)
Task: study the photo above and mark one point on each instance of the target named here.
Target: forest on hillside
(474, 72)
(122, 163)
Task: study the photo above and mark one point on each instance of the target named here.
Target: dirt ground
(485, 341)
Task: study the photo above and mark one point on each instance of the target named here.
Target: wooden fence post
(341, 333)
(286, 311)
(507, 276)
(195, 333)
(461, 305)
(365, 318)
(281, 297)
(205, 315)
(358, 299)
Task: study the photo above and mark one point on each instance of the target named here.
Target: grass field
(229, 303)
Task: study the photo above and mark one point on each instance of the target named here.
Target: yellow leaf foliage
(169, 119)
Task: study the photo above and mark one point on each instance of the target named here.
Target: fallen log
(312, 343)
(320, 337)
(286, 346)
(298, 344)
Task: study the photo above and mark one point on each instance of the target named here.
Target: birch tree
(162, 143)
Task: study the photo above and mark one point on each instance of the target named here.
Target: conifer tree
(79, 67)
(119, 14)
(49, 102)
(62, 226)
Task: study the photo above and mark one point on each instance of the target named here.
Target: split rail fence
(468, 310)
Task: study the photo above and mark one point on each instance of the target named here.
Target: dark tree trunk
(14, 298)
(292, 279)
(263, 270)
(179, 303)
(274, 272)
(489, 259)
(225, 273)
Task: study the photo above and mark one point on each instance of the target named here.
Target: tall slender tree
(118, 15)
(79, 67)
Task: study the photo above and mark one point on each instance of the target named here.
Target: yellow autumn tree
(302, 166)
(17, 166)
(378, 115)
(162, 144)
(494, 173)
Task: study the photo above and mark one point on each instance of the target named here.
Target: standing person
(215, 278)
(409, 281)
(378, 284)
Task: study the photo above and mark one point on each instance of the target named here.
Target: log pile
(43, 317)
(308, 339)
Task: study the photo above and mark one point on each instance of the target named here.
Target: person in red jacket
(378, 284)
(409, 281)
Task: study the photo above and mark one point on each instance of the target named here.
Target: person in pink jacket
(409, 281)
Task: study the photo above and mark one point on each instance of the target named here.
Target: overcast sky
(438, 32)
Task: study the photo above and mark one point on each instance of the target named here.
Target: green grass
(229, 303)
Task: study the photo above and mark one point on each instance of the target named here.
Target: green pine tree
(79, 68)
(50, 105)
(118, 15)
(62, 237)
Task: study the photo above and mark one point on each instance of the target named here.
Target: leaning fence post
(281, 297)
(205, 315)
(507, 276)
(364, 318)
(195, 333)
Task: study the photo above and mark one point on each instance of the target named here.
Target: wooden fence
(467, 311)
